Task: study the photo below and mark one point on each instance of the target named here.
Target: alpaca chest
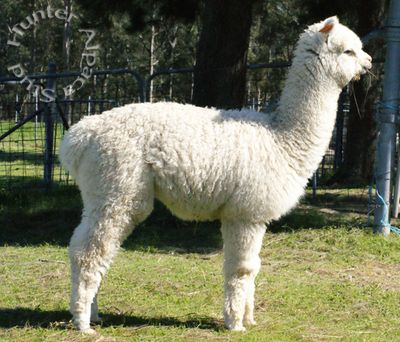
(285, 192)
(264, 199)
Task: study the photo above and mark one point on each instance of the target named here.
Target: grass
(325, 277)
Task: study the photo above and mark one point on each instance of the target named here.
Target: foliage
(139, 14)
(275, 30)
(119, 48)
(163, 44)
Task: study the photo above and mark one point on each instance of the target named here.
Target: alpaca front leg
(94, 311)
(248, 318)
(234, 301)
(242, 245)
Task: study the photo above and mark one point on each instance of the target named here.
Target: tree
(274, 33)
(220, 72)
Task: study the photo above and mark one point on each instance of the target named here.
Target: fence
(30, 129)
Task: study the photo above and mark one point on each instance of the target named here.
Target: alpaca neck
(305, 118)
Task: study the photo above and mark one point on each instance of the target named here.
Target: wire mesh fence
(23, 152)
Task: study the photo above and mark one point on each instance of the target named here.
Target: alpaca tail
(72, 148)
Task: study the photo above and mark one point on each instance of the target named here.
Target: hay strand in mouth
(355, 98)
(372, 74)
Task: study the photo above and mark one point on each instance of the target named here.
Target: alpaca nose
(368, 63)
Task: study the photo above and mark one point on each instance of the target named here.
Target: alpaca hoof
(238, 328)
(88, 331)
(83, 327)
(235, 327)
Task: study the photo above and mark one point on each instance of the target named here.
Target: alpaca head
(336, 49)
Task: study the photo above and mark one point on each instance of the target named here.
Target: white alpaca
(240, 167)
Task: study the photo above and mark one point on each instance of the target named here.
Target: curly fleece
(240, 167)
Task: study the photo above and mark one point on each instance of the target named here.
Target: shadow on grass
(17, 156)
(36, 318)
(137, 321)
(314, 218)
(25, 317)
(36, 216)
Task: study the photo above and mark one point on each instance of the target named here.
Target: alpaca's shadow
(26, 317)
(37, 216)
(191, 321)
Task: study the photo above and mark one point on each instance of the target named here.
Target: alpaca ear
(328, 26)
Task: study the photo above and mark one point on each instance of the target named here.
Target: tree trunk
(152, 60)
(220, 71)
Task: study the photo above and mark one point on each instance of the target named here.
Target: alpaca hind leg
(93, 246)
(78, 310)
(94, 311)
(89, 257)
(242, 245)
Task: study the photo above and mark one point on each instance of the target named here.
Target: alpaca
(242, 168)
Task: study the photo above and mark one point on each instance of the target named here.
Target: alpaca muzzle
(366, 65)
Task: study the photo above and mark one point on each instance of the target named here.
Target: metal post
(49, 130)
(16, 108)
(387, 120)
(396, 196)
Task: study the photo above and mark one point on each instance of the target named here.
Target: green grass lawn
(324, 277)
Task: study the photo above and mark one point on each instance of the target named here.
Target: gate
(30, 129)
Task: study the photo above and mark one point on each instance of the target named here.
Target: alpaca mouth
(363, 71)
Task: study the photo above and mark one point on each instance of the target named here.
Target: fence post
(314, 186)
(49, 129)
(17, 108)
(338, 158)
(387, 120)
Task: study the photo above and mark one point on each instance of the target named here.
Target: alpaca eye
(349, 52)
